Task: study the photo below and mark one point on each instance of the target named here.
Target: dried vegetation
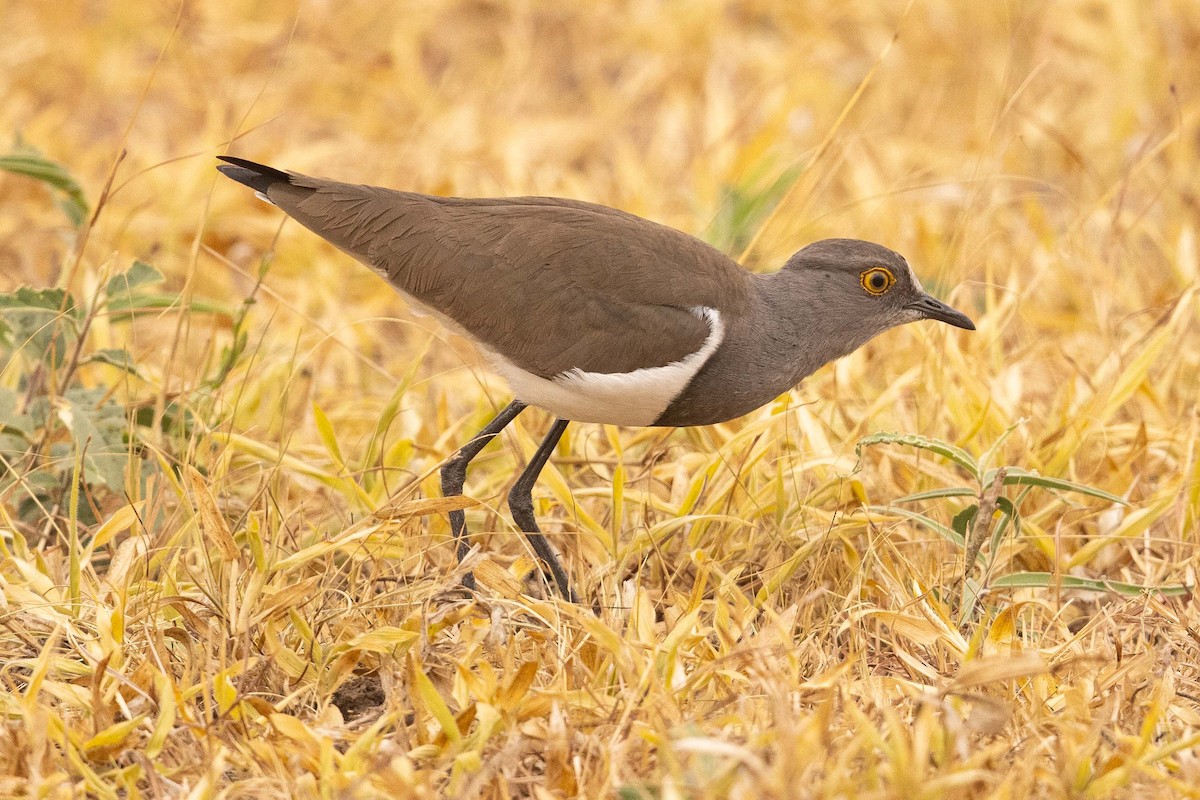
(224, 560)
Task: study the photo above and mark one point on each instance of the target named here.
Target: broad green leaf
(176, 418)
(41, 321)
(963, 519)
(945, 449)
(100, 432)
(74, 203)
(8, 408)
(139, 274)
(1006, 505)
(30, 299)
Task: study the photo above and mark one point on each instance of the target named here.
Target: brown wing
(550, 284)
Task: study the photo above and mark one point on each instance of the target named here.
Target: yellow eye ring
(877, 280)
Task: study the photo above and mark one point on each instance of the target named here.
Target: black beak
(929, 308)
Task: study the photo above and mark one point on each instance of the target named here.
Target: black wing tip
(258, 177)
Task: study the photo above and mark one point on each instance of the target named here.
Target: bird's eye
(877, 280)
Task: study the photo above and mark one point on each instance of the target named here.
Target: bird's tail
(258, 177)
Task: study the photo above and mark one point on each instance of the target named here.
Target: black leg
(454, 475)
(520, 502)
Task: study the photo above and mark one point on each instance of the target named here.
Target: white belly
(625, 398)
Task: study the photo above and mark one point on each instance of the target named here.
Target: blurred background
(1037, 163)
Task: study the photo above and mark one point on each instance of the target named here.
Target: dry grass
(270, 610)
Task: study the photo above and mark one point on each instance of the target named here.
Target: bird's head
(866, 287)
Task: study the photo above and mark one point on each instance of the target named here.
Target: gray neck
(783, 335)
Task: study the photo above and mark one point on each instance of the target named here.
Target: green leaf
(945, 449)
(963, 519)
(16, 432)
(10, 421)
(1007, 506)
(746, 206)
(41, 320)
(8, 404)
(13, 445)
(139, 274)
(632, 791)
(27, 298)
(1044, 580)
(130, 304)
(1015, 476)
(101, 430)
(937, 494)
(1011, 515)
(32, 165)
(176, 419)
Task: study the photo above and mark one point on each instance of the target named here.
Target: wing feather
(552, 285)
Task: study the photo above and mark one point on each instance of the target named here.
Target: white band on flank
(624, 398)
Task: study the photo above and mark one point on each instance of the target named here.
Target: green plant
(746, 204)
(51, 418)
(27, 161)
(989, 514)
(67, 432)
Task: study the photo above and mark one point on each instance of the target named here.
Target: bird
(596, 315)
